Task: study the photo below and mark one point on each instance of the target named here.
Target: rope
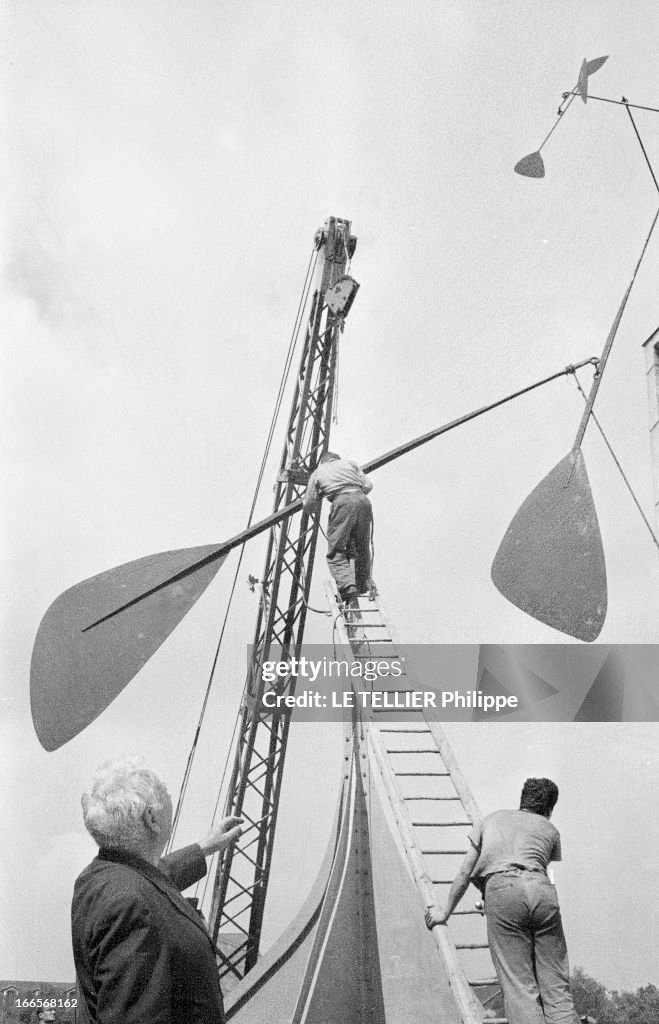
(335, 396)
(273, 422)
(647, 159)
(561, 111)
(372, 547)
(609, 343)
(619, 467)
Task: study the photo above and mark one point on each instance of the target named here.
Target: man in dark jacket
(142, 954)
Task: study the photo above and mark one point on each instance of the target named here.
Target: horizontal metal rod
(618, 103)
(409, 446)
(291, 509)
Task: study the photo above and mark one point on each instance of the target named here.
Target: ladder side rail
(448, 757)
(439, 736)
(469, 1006)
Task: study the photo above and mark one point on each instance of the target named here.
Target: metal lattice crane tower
(241, 879)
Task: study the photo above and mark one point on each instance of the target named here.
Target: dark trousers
(349, 537)
(527, 944)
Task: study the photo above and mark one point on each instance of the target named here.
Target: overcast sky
(168, 166)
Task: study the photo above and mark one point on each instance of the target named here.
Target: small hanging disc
(531, 166)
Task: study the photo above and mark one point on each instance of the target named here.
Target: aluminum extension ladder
(432, 804)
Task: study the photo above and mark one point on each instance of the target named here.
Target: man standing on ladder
(507, 860)
(350, 522)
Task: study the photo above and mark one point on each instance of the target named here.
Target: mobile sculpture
(550, 562)
(97, 635)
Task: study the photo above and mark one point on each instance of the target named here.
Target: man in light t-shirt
(350, 522)
(507, 860)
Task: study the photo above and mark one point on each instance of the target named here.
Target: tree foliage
(590, 997)
(56, 993)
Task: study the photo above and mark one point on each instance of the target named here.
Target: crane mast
(242, 874)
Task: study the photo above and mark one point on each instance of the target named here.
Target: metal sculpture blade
(124, 614)
(594, 65)
(582, 82)
(77, 672)
(588, 67)
(562, 504)
(550, 562)
(531, 166)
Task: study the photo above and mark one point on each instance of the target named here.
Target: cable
(335, 396)
(647, 159)
(282, 385)
(620, 469)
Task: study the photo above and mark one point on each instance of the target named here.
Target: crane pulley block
(341, 296)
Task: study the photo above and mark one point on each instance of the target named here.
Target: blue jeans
(527, 944)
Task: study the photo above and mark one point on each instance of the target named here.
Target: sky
(168, 165)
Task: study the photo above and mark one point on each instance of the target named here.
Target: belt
(517, 871)
(347, 490)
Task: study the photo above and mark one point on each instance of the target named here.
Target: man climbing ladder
(350, 522)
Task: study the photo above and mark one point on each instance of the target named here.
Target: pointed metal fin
(594, 65)
(531, 166)
(582, 81)
(551, 563)
(77, 672)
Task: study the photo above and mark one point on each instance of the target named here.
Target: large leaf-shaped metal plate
(550, 562)
(78, 671)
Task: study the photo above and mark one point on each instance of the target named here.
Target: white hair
(116, 799)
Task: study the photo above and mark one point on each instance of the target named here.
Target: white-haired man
(142, 954)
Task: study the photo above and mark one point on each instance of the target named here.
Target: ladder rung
(403, 689)
(413, 731)
(367, 625)
(471, 945)
(380, 657)
(442, 824)
(453, 853)
(396, 711)
(398, 689)
(369, 656)
(431, 798)
(419, 750)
